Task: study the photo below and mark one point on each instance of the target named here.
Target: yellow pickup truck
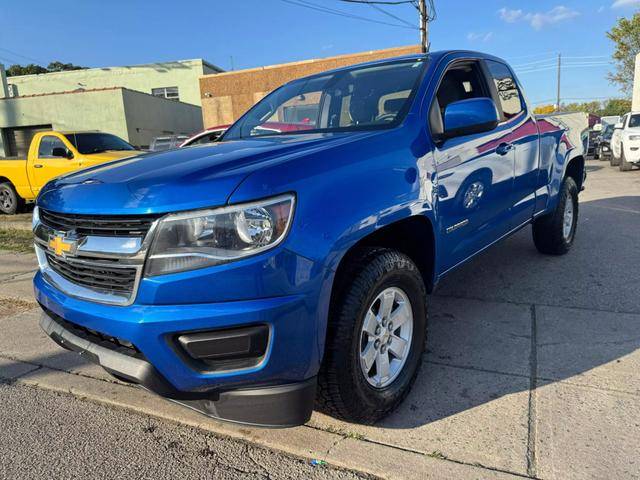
(52, 154)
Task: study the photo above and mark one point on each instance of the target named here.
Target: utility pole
(558, 92)
(424, 26)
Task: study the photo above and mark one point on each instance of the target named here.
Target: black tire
(624, 165)
(343, 390)
(548, 233)
(613, 160)
(10, 201)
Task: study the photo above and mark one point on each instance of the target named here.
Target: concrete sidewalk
(531, 371)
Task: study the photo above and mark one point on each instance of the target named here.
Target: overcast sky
(261, 32)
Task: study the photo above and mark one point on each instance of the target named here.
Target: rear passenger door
(522, 137)
(474, 172)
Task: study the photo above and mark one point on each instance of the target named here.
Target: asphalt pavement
(49, 435)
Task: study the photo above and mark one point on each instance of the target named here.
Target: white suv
(625, 142)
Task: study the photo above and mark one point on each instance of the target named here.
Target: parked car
(210, 135)
(604, 143)
(52, 154)
(625, 142)
(593, 142)
(249, 278)
(167, 142)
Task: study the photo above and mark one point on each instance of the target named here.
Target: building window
(166, 92)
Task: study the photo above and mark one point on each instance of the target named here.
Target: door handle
(504, 148)
(38, 165)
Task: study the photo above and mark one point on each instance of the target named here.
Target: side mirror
(618, 126)
(62, 152)
(467, 117)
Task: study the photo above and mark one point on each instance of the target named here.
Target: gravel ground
(49, 435)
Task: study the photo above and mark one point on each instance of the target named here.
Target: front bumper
(275, 406)
(263, 393)
(632, 152)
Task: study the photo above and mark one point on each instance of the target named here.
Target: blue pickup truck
(288, 266)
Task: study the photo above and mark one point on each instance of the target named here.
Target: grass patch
(20, 241)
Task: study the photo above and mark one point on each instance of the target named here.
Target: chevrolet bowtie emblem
(62, 246)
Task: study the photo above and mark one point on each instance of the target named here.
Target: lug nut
(378, 330)
(383, 349)
(389, 341)
(390, 326)
(376, 345)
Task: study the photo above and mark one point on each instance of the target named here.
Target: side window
(508, 94)
(47, 144)
(461, 82)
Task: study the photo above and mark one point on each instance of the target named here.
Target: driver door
(474, 172)
(51, 162)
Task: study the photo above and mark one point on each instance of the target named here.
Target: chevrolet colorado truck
(52, 154)
(254, 278)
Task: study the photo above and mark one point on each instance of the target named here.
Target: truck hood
(181, 179)
(109, 155)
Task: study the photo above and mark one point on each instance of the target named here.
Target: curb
(338, 450)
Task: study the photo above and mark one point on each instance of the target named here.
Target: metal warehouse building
(137, 102)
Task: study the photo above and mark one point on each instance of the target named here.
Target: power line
(382, 10)
(426, 10)
(320, 8)
(412, 2)
(19, 55)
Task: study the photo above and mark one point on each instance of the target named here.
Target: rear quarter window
(509, 96)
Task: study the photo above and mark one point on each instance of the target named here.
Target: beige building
(176, 80)
(226, 96)
(137, 102)
(134, 116)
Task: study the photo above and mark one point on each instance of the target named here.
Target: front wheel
(624, 165)
(375, 338)
(613, 160)
(554, 232)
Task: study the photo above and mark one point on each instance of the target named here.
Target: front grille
(99, 225)
(107, 341)
(94, 275)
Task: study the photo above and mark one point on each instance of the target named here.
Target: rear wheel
(10, 202)
(375, 338)
(554, 233)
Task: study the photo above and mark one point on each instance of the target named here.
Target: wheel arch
(413, 236)
(576, 169)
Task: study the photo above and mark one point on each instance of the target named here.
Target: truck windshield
(87, 143)
(359, 98)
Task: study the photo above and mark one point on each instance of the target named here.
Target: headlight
(35, 218)
(634, 137)
(186, 241)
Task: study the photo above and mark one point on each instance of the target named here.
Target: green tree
(626, 37)
(61, 67)
(594, 107)
(616, 106)
(15, 70)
